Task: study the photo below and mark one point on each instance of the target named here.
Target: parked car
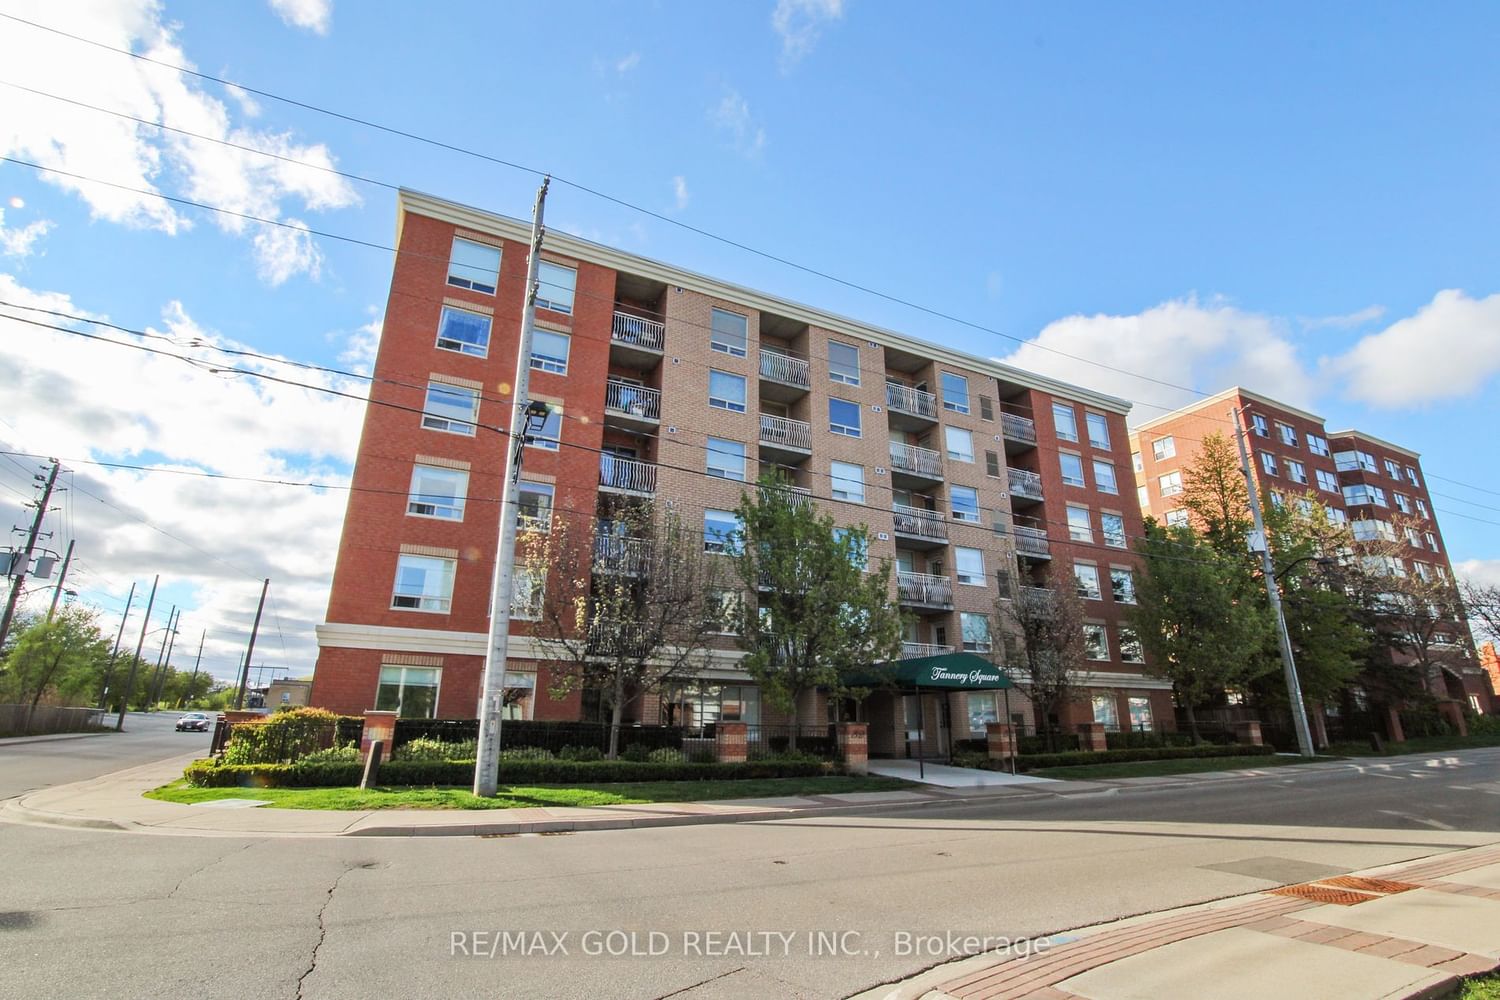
(194, 722)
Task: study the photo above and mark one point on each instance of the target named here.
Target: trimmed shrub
(569, 772)
(283, 737)
(212, 774)
(430, 748)
(580, 753)
(348, 754)
(665, 755)
(514, 754)
(1074, 758)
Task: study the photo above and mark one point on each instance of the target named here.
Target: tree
(823, 615)
(1042, 638)
(1483, 604)
(48, 653)
(1213, 489)
(621, 609)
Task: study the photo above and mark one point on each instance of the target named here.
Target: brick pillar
(1454, 713)
(730, 745)
(234, 718)
(378, 726)
(1393, 730)
(1091, 736)
(1001, 737)
(1247, 733)
(854, 746)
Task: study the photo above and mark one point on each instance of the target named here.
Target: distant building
(287, 693)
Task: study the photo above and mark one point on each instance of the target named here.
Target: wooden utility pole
(61, 579)
(239, 701)
(104, 688)
(136, 660)
(24, 564)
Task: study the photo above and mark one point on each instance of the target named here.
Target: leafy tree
(1213, 489)
(50, 654)
(823, 617)
(1042, 639)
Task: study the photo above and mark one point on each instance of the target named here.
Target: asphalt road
(33, 764)
(98, 914)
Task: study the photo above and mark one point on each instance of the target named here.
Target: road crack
(205, 867)
(312, 960)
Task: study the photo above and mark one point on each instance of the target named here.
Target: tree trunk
(616, 712)
(1187, 706)
(796, 720)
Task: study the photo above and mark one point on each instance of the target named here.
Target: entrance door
(911, 708)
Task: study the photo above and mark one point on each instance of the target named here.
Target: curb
(12, 741)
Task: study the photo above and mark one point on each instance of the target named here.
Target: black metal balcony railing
(621, 554)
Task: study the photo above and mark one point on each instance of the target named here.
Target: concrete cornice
(1379, 442)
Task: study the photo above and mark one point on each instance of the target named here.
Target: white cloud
(96, 145)
(732, 116)
(311, 15)
(1346, 321)
(627, 63)
(282, 253)
(1449, 349)
(360, 348)
(22, 242)
(680, 194)
(1482, 572)
(799, 23)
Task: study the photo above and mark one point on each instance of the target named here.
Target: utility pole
(160, 655)
(136, 660)
(61, 578)
(1273, 592)
(161, 677)
(239, 701)
(492, 689)
(188, 691)
(104, 688)
(36, 529)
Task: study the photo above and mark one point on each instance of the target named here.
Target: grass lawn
(1154, 768)
(515, 797)
(1483, 988)
(1422, 744)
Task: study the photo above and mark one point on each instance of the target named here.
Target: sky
(1155, 200)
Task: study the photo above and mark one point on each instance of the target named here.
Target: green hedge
(1033, 762)
(211, 774)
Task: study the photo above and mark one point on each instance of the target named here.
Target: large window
(1098, 429)
(1393, 469)
(1268, 463)
(526, 590)
(423, 583)
(1349, 461)
(1106, 712)
(1104, 477)
(1260, 425)
(410, 692)
(721, 532)
(1072, 469)
(548, 434)
(968, 564)
(535, 503)
(848, 481)
(1287, 433)
(858, 549)
(726, 390)
(1170, 484)
(451, 408)
(474, 266)
(549, 351)
(1403, 504)
(1140, 713)
(1164, 448)
(1122, 585)
(1087, 578)
(965, 502)
(1113, 526)
(1095, 642)
(955, 393)
(1179, 518)
(726, 459)
(983, 710)
(1065, 422)
(729, 333)
(960, 444)
(705, 704)
(463, 331)
(1079, 527)
(1132, 652)
(1317, 444)
(843, 363)
(1296, 471)
(975, 629)
(1327, 480)
(437, 493)
(843, 417)
(1411, 476)
(555, 286)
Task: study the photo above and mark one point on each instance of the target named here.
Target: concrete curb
(11, 741)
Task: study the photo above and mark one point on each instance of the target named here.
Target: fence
(345, 730)
(671, 743)
(49, 719)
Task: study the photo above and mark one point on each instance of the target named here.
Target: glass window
(721, 532)
(548, 433)
(1072, 469)
(1277, 499)
(1095, 643)
(1122, 585)
(965, 503)
(955, 393)
(555, 285)
(1288, 434)
(1348, 461)
(474, 266)
(848, 481)
(982, 711)
(1402, 503)
(1393, 469)
(1098, 429)
(535, 503)
(726, 459)
(960, 444)
(410, 692)
(1317, 445)
(986, 408)
(1065, 422)
(1432, 542)
(1140, 708)
(724, 608)
(423, 583)
(1268, 463)
(1296, 471)
(549, 351)
(843, 417)
(1411, 476)
(1104, 477)
(1336, 516)
(1079, 527)
(1177, 518)
(1422, 509)
(1114, 530)
(1087, 578)
(1164, 448)
(1171, 484)
(729, 333)
(859, 554)
(992, 464)
(1106, 712)
(463, 331)
(526, 589)
(437, 492)
(1142, 497)
(968, 564)
(451, 408)
(976, 632)
(843, 363)
(1135, 461)
(726, 390)
(1262, 428)
(1327, 480)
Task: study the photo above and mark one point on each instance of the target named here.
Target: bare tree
(1042, 639)
(1482, 601)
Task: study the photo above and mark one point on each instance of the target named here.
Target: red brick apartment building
(972, 477)
(1377, 486)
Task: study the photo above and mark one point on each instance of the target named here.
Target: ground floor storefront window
(704, 704)
(1140, 714)
(984, 708)
(1107, 712)
(410, 692)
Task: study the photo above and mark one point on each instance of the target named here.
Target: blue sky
(1299, 198)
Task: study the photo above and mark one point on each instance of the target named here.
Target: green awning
(961, 671)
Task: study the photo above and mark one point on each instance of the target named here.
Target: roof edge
(1234, 390)
(1351, 432)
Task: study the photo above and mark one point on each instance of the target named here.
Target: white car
(194, 722)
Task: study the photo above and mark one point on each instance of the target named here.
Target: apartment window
(1422, 510)
(1106, 712)
(1421, 569)
(1164, 448)
(1432, 542)
(1122, 585)
(1377, 495)
(982, 711)
(955, 393)
(1131, 652)
(1268, 463)
(555, 286)
(1296, 471)
(1288, 434)
(1072, 469)
(474, 266)
(730, 333)
(1135, 462)
(986, 408)
(1098, 429)
(1278, 500)
(1411, 476)
(859, 554)
(960, 444)
(992, 464)
(843, 363)
(1366, 530)
(726, 390)
(1142, 497)
(526, 593)
(1065, 423)
(549, 351)
(1113, 526)
(549, 435)
(463, 331)
(535, 503)
(1413, 538)
(1357, 493)
(965, 503)
(721, 531)
(1348, 461)
(1080, 529)
(1104, 477)
(724, 609)
(1336, 516)
(848, 482)
(726, 459)
(1087, 578)
(410, 692)
(1393, 469)
(1179, 518)
(975, 629)
(1095, 642)
(1317, 445)
(968, 566)
(1403, 503)
(843, 417)
(450, 408)
(423, 583)
(1261, 427)
(1327, 480)
(437, 493)
(1171, 484)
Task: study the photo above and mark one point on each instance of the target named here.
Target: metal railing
(621, 554)
(916, 521)
(786, 432)
(626, 474)
(795, 495)
(636, 400)
(905, 399)
(638, 331)
(1032, 541)
(780, 367)
(1017, 427)
(916, 461)
(925, 588)
(1025, 484)
(911, 650)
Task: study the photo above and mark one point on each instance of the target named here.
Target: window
(1378, 496)
(968, 564)
(410, 692)
(1421, 569)
(1122, 585)
(1317, 445)
(451, 408)
(526, 590)
(1348, 461)
(437, 493)
(1131, 652)
(724, 608)
(1432, 542)
(535, 502)
(1135, 462)
(1356, 494)
(1179, 518)
(726, 459)
(1142, 497)
(463, 331)
(1327, 480)
(729, 333)
(1095, 643)
(1393, 469)
(1114, 530)
(1164, 448)
(1098, 429)
(1413, 538)
(1261, 427)
(982, 712)
(1079, 527)
(992, 464)
(960, 444)
(965, 503)
(549, 351)
(1422, 510)
(1064, 422)
(721, 531)
(1104, 477)
(1403, 504)
(1336, 516)
(1106, 712)
(1140, 708)
(843, 363)
(955, 393)
(1411, 476)
(474, 266)
(843, 417)
(1296, 471)
(848, 482)
(1087, 578)
(423, 583)
(726, 391)
(1268, 463)
(1368, 530)
(975, 629)
(1072, 469)
(986, 408)
(555, 285)
(1171, 484)
(859, 549)
(548, 434)
(1287, 433)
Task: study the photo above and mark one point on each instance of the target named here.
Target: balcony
(1019, 432)
(783, 439)
(922, 529)
(633, 407)
(912, 650)
(797, 496)
(1024, 486)
(629, 643)
(784, 377)
(621, 556)
(635, 341)
(1031, 543)
(913, 467)
(924, 590)
(626, 475)
(1038, 599)
(909, 408)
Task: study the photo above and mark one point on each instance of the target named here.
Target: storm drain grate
(1323, 894)
(1383, 886)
